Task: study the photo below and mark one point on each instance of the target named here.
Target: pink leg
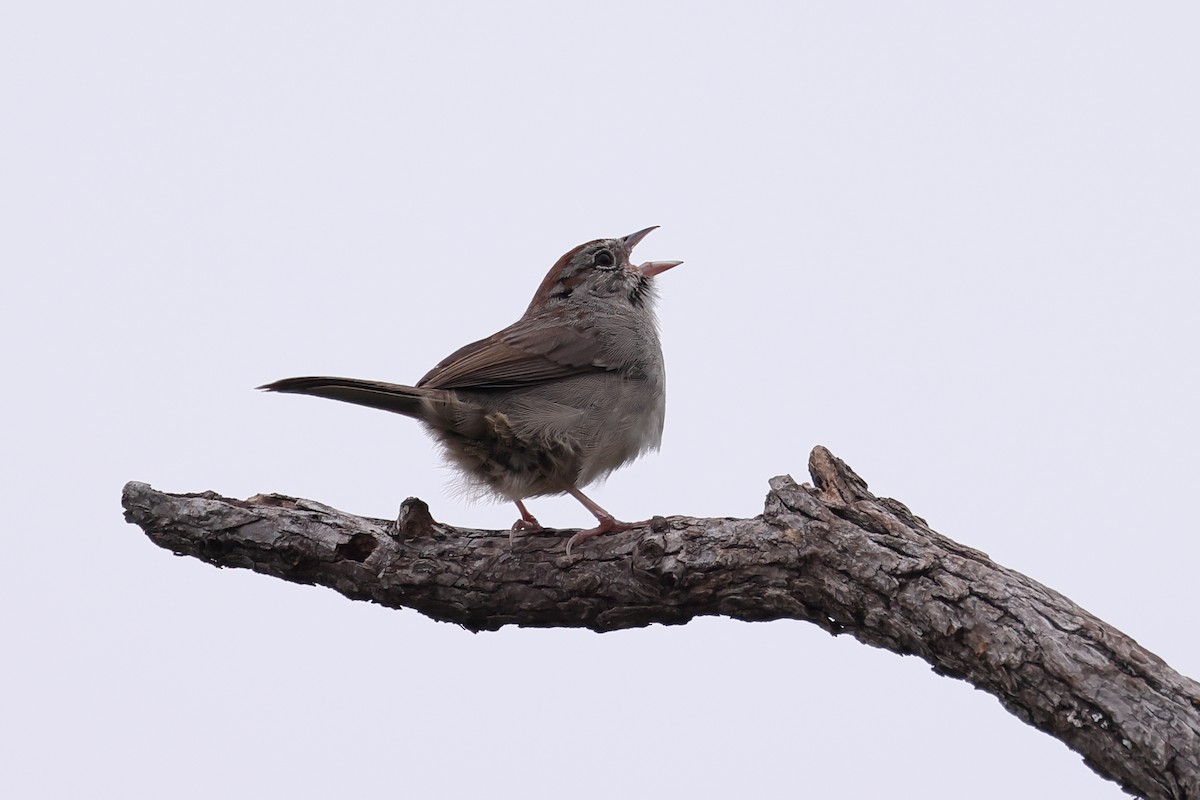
(608, 523)
(527, 522)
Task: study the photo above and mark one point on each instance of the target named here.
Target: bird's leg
(608, 523)
(527, 522)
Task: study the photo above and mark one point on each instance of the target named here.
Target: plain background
(955, 243)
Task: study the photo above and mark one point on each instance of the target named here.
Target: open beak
(650, 268)
(632, 239)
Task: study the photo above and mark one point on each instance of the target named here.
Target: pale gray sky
(956, 244)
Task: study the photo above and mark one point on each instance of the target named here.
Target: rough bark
(832, 554)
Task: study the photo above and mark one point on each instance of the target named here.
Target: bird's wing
(527, 352)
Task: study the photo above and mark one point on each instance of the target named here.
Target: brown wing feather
(526, 352)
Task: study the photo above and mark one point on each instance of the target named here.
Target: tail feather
(394, 397)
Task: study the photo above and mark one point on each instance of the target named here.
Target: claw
(528, 522)
(607, 525)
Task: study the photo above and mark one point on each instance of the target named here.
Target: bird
(570, 392)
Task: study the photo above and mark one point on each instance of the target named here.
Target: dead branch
(832, 554)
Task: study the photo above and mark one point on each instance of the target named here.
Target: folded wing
(528, 352)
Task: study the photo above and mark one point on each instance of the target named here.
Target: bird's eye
(603, 258)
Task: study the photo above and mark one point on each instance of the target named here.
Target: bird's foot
(607, 525)
(526, 524)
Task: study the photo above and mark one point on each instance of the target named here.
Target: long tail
(393, 397)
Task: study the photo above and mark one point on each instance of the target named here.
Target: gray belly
(538, 440)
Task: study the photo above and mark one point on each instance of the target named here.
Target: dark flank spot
(358, 548)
